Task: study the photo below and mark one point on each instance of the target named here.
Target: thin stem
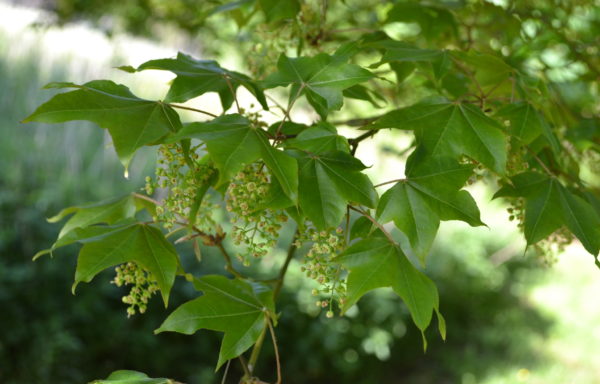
(226, 371)
(288, 111)
(389, 182)
(256, 350)
(286, 264)
(228, 262)
(192, 109)
(365, 214)
(355, 141)
(147, 198)
(244, 364)
(274, 339)
(228, 81)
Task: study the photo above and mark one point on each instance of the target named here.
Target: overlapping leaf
(108, 212)
(375, 263)
(322, 137)
(430, 193)
(321, 78)
(233, 142)
(131, 121)
(328, 182)
(527, 124)
(197, 77)
(549, 206)
(450, 129)
(237, 308)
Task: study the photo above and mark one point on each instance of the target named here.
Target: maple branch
(192, 109)
(355, 141)
(286, 264)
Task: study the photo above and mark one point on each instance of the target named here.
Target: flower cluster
(320, 264)
(181, 175)
(549, 248)
(143, 286)
(254, 226)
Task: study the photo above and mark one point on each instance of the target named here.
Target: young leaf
(321, 78)
(451, 130)
(197, 77)
(131, 121)
(374, 263)
(132, 377)
(237, 308)
(139, 243)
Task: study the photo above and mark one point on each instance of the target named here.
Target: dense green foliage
(481, 110)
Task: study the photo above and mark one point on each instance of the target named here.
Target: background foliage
(498, 294)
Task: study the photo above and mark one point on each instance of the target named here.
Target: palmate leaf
(132, 377)
(451, 130)
(197, 77)
(237, 308)
(321, 78)
(132, 122)
(549, 206)
(430, 193)
(374, 263)
(328, 182)
(140, 243)
(233, 142)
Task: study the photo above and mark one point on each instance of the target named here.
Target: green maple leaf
(430, 193)
(374, 263)
(132, 122)
(549, 206)
(328, 182)
(232, 142)
(237, 308)
(197, 77)
(138, 243)
(450, 129)
(321, 78)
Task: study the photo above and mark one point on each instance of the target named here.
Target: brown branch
(286, 264)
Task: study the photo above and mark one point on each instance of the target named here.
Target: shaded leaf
(132, 377)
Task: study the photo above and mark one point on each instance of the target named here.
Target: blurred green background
(510, 319)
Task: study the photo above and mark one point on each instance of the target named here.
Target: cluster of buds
(549, 248)
(320, 264)
(181, 176)
(254, 226)
(143, 286)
